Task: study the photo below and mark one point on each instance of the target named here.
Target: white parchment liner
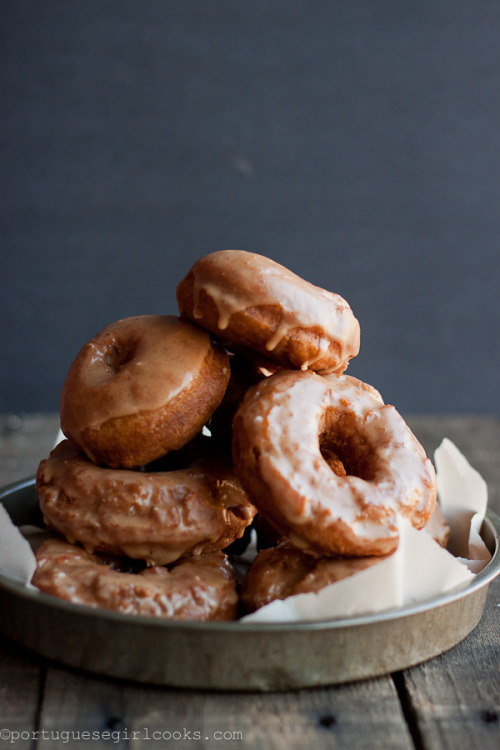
(419, 569)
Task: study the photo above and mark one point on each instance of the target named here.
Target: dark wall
(356, 142)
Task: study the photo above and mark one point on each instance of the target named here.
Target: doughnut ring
(283, 571)
(156, 516)
(254, 304)
(140, 388)
(202, 587)
(280, 432)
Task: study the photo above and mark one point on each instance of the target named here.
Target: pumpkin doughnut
(202, 587)
(283, 571)
(254, 304)
(155, 516)
(140, 388)
(279, 433)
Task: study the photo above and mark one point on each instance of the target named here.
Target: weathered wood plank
(365, 715)
(21, 682)
(454, 699)
(81, 708)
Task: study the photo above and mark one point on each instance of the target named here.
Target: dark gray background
(357, 142)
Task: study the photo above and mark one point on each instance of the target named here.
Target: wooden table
(452, 701)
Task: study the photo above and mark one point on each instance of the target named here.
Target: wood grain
(364, 715)
(21, 684)
(454, 700)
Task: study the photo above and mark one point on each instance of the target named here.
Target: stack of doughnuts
(135, 479)
(184, 432)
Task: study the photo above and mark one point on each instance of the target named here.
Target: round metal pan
(236, 655)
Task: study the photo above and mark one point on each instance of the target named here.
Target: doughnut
(142, 387)
(253, 304)
(280, 432)
(283, 571)
(155, 516)
(201, 587)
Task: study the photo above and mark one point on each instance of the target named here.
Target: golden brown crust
(142, 387)
(153, 516)
(284, 570)
(255, 305)
(202, 587)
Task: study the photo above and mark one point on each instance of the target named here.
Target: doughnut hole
(344, 448)
(117, 356)
(108, 359)
(333, 462)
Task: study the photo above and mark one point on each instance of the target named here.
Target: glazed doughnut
(254, 304)
(156, 516)
(202, 587)
(283, 571)
(140, 388)
(279, 433)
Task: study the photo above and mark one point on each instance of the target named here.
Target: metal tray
(236, 656)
